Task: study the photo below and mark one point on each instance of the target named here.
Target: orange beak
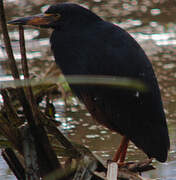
(36, 20)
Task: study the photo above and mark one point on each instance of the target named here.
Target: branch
(8, 47)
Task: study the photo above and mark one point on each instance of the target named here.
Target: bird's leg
(121, 151)
(124, 151)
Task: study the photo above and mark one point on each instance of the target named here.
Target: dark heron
(85, 44)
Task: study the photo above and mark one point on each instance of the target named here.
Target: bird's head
(58, 16)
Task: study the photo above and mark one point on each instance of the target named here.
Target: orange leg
(121, 152)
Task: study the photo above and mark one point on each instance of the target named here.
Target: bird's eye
(57, 15)
(52, 14)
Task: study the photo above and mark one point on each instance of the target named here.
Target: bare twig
(30, 155)
(8, 47)
(29, 92)
(13, 119)
(47, 158)
(23, 53)
(14, 164)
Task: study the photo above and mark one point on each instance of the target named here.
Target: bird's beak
(36, 20)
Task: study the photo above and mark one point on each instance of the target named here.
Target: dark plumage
(83, 43)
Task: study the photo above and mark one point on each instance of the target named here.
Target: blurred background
(151, 22)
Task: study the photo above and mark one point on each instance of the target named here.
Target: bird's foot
(121, 164)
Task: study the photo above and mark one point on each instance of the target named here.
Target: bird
(85, 44)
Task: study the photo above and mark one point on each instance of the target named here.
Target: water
(152, 24)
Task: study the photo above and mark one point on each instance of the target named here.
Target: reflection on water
(152, 24)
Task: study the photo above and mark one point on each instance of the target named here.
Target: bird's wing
(139, 116)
